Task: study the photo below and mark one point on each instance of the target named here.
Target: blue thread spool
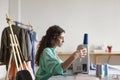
(85, 41)
(106, 69)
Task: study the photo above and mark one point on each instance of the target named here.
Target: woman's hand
(77, 54)
(80, 53)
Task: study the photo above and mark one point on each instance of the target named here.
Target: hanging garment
(23, 39)
(33, 40)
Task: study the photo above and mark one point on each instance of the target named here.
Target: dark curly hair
(52, 33)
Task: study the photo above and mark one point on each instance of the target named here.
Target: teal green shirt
(49, 65)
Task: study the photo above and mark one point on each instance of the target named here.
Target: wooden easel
(16, 52)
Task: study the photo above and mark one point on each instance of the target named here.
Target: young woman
(46, 58)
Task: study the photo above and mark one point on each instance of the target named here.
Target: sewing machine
(81, 65)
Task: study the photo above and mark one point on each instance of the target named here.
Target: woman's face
(60, 40)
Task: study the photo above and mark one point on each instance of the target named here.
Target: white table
(95, 55)
(113, 71)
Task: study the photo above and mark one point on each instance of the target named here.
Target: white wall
(15, 9)
(3, 12)
(99, 18)
(3, 24)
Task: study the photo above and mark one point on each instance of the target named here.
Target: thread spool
(85, 41)
(106, 69)
(100, 70)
